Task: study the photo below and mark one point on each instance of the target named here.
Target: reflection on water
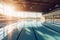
(31, 31)
(46, 36)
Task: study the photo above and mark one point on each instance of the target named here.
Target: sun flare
(8, 9)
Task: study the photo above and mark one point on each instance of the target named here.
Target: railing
(55, 19)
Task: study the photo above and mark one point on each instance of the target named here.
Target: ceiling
(35, 5)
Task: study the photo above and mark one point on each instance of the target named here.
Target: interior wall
(53, 17)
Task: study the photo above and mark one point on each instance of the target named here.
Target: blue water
(33, 31)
